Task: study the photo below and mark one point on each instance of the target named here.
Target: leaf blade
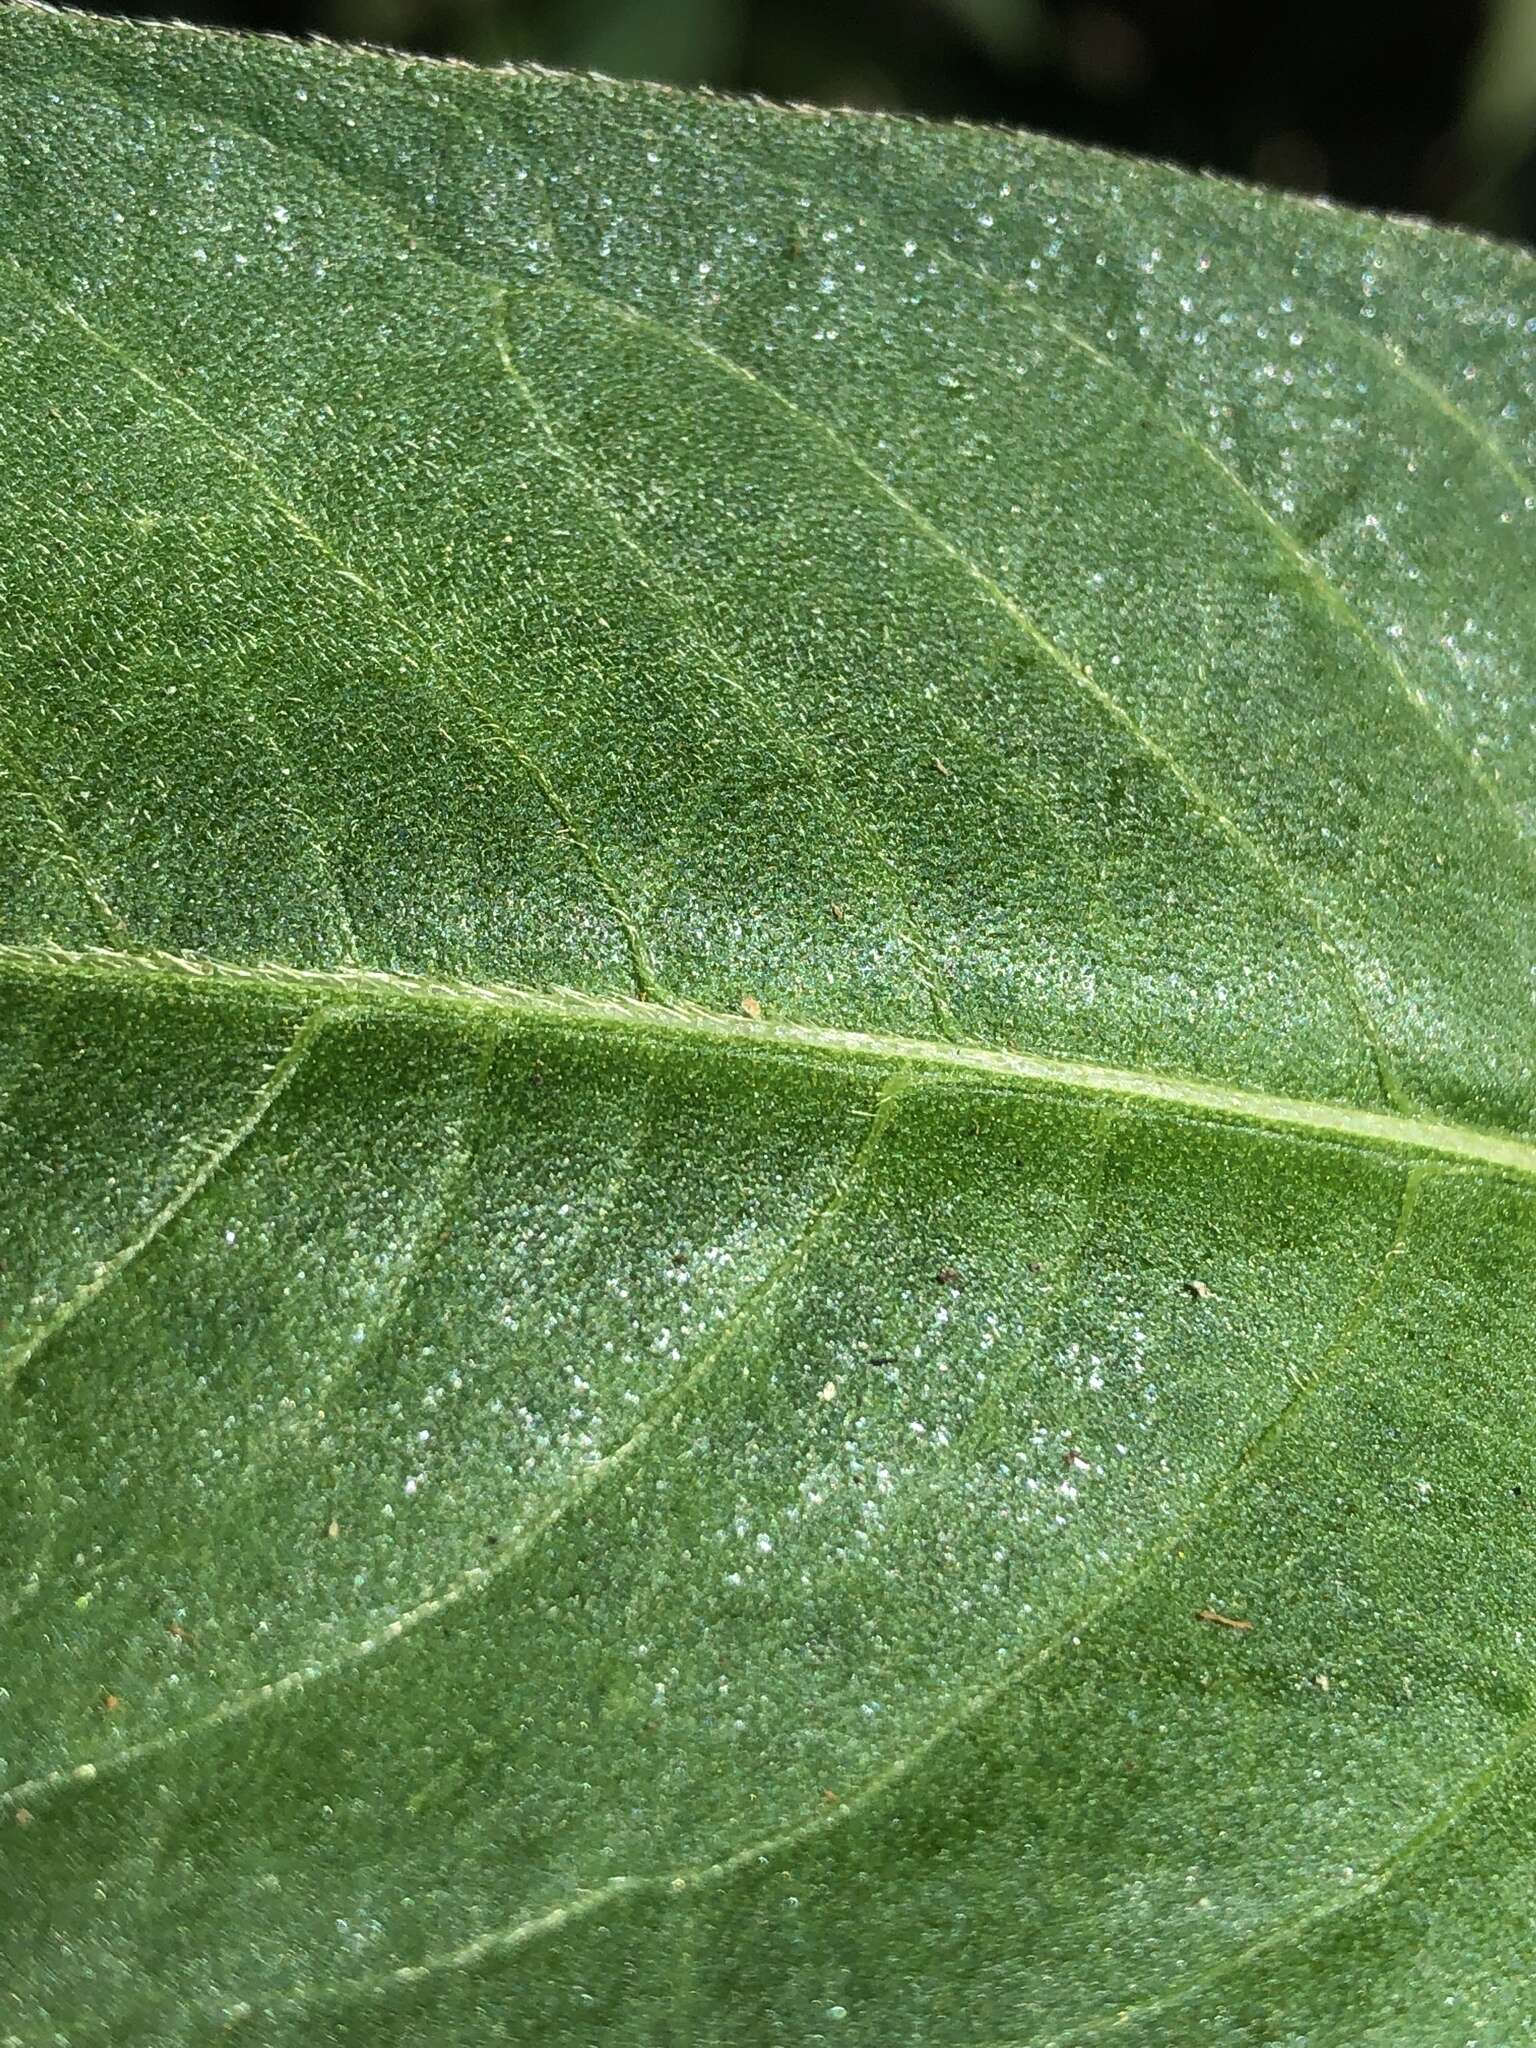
(600, 1517)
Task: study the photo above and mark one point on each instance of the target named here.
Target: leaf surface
(767, 1107)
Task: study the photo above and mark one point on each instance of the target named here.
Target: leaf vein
(15, 1360)
(577, 1490)
(1398, 359)
(807, 752)
(1292, 894)
(1442, 1820)
(797, 1834)
(1296, 899)
(534, 772)
(1325, 589)
(495, 1005)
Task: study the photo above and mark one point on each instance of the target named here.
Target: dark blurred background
(1426, 106)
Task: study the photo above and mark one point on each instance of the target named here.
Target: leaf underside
(767, 1106)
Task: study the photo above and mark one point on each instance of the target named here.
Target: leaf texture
(767, 1106)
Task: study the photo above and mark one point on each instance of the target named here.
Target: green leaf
(768, 1101)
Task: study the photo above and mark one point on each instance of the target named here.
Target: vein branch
(1296, 898)
(1315, 578)
(810, 756)
(754, 1309)
(536, 775)
(499, 1942)
(15, 1360)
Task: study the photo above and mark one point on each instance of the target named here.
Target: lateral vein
(15, 1361)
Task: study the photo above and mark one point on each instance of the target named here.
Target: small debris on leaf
(838, 912)
(1197, 1290)
(947, 1276)
(110, 1702)
(1223, 1620)
(333, 1528)
(751, 1007)
(22, 1816)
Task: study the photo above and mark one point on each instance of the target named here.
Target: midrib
(627, 1017)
